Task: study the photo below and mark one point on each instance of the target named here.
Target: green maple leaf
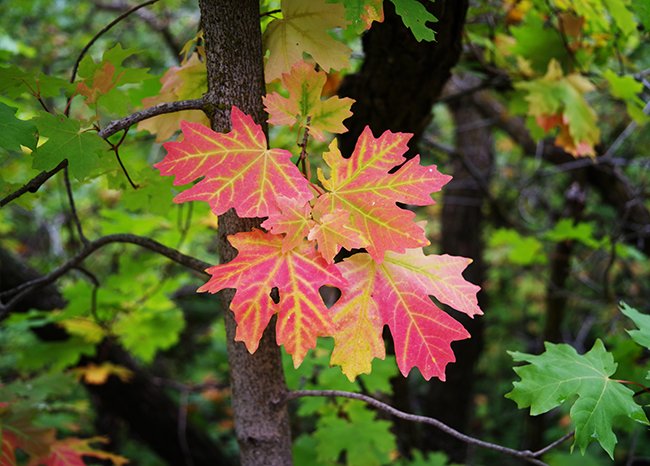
(15, 132)
(642, 321)
(66, 140)
(559, 374)
(366, 440)
(415, 17)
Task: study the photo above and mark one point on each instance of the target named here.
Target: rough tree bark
(401, 78)
(233, 45)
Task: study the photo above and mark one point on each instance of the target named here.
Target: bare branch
(150, 19)
(527, 455)
(34, 184)
(19, 292)
(160, 109)
(73, 209)
(102, 32)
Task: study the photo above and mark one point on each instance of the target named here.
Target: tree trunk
(233, 45)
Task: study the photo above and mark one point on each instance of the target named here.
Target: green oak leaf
(415, 17)
(560, 374)
(15, 132)
(66, 140)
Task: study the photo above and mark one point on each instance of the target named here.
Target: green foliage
(15, 132)
(67, 140)
(642, 321)
(415, 17)
(560, 374)
(355, 430)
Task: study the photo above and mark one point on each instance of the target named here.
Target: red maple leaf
(238, 169)
(396, 293)
(298, 273)
(367, 187)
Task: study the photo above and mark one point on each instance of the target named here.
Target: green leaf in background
(435, 458)
(15, 132)
(56, 356)
(66, 140)
(560, 374)
(415, 17)
(567, 230)
(146, 331)
(623, 17)
(628, 90)
(520, 250)
(642, 10)
(14, 82)
(366, 440)
(642, 321)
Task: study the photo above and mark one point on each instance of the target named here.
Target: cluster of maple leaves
(307, 224)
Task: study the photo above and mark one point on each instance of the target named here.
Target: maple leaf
(332, 230)
(291, 219)
(396, 293)
(304, 105)
(361, 13)
(237, 168)
(304, 28)
(556, 100)
(561, 374)
(98, 374)
(70, 452)
(188, 81)
(260, 266)
(67, 140)
(365, 187)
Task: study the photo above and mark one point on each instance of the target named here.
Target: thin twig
(34, 184)
(554, 444)
(24, 289)
(527, 455)
(113, 127)
(150, 19)
(93, 297)
(304, 157)
(160, 109)
(73, 209)
(105, 29)
(116, 149)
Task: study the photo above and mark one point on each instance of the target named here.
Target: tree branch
(24, 289)
(150, 19)
(160, 109)
(34, 184)
(102, 32)
(527, 455)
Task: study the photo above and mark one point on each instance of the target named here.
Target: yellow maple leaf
(98, 374)
(303, 28)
